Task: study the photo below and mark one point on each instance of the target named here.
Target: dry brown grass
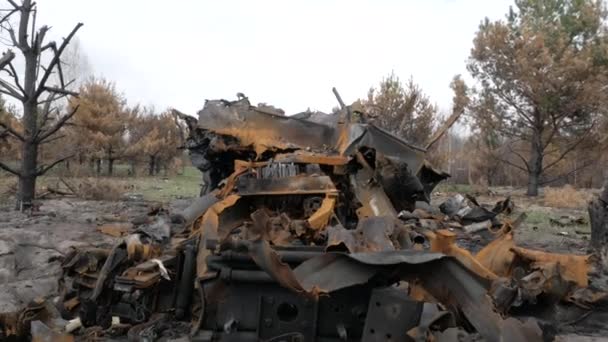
(566, 197)
(103, 189)
(8, 188)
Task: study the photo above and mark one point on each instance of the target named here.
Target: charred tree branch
(512, 103)
(440, 132)
(60, 91)
(40, 38)
(8, 16)
(46, 111)
(11, 131)
(56, 59)
(57, 137)
(10, 90)
(43, 136)
(509, 163)
(567, 150)
(43, 169)
(564, 175)
(26, 10)
(6, 58)
(14, 4)
(9, 169)
(11, 33)
(15, 77)
(519, 156)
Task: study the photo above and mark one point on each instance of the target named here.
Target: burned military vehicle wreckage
(309, 228)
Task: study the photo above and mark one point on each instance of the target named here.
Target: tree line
(106, 131)
(535, 109)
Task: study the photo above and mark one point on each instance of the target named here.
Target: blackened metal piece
(430, 177)
(265, 311)
(197, 208)
(186, 283)
(285, 186)
(115, 258)
(391, 313)
(288, 256)
(252, 302)
(283, 313)
(399, 182)
(134, 310)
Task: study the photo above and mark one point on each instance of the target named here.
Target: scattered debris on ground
(315, 230)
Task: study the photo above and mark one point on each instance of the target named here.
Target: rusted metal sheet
(370, 194)
(572, 267)
(262, 130)
(497, 256)
(384, 143)
(443, 241)
(306, 157)
(266, 131)
(321, 217)
(446, 279)
(373, 234)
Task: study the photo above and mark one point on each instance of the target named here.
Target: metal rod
(342, 105)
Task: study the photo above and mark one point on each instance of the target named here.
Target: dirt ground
(561, 230)
(31, 244)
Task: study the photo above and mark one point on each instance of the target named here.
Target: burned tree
(101, 122)
(404, 110)
(40, 119)
(154, 138)
(543, 70)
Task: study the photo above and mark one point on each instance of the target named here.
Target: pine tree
(545, 69)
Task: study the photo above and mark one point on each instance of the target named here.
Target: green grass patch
(537, 217)
(454, 188)
(187, 184)
(538, 226)
(153, 188)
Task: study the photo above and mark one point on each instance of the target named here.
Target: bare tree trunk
(157, 166)
(133, 171)
(535, 164)
(27, 180)
(110, 162)
(29, 148)
(151, 166)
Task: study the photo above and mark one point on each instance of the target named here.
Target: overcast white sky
(286, 53)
